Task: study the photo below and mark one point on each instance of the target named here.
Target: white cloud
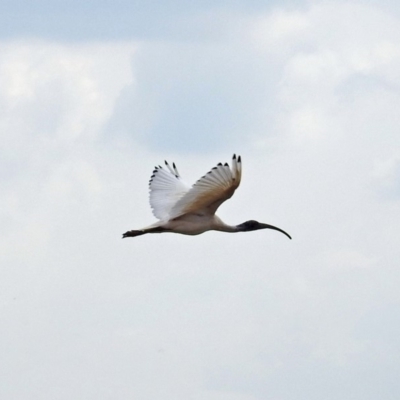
(61, 93)
(387, 173)
(56, 100)
(343, 259)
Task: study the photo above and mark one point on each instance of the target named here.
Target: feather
(166, 188)
(210, 191)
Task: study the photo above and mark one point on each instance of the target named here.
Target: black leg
(157, 229)
(133, 234)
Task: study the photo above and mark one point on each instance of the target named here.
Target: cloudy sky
(94, 94)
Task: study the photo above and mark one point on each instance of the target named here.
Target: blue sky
(198, 88)
(93, 95)
(107, 20)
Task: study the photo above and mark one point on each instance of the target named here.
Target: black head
(255, 225)
(249, 226)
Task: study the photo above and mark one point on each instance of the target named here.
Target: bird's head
(255, 225)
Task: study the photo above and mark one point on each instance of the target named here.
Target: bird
(191, 210)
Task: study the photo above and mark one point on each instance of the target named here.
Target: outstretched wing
(166, 188)
(210, 191)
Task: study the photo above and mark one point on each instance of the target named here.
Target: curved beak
(266, 226)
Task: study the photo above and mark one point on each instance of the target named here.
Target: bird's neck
(219, 225)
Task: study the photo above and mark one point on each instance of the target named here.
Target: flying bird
(191, 210)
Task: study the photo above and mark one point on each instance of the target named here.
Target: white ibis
(191, 210)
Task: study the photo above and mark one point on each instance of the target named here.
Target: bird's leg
(140, 232)
(133, 234)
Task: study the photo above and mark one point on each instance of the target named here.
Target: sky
(94, 94)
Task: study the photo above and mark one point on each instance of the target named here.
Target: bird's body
(191, 210)
(195, 224)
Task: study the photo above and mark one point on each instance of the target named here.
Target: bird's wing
(210, 191)
(166, 188)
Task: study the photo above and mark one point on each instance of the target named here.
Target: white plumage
(191, 210)
(166, 188)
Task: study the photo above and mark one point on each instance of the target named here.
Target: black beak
(266, 226)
